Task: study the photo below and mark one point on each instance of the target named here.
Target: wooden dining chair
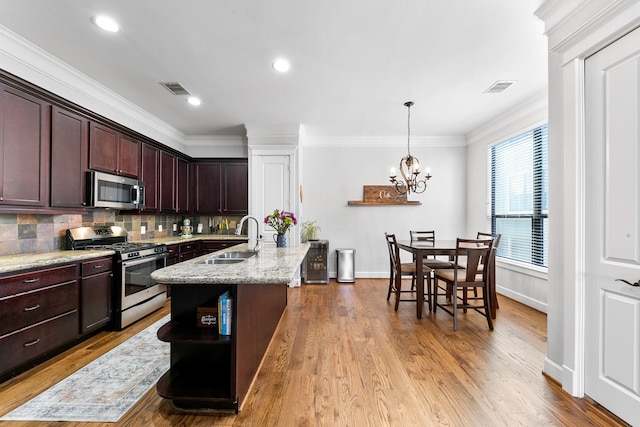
(398, 270)
(429, 236)
(495, 238)
(458, 281)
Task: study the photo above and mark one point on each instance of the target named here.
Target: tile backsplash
(28, 233)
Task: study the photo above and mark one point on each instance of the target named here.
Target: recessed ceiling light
(194, 100)
(281, 65)
(106, 23)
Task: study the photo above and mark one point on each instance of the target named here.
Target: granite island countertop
(270, 266)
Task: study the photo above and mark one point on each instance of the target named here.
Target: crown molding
(578, 28)
(33, 64)
(529, 114)
(384, 141)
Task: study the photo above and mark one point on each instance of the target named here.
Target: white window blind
(519, 202)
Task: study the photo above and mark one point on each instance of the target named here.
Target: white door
(273, 189)
(612, 323)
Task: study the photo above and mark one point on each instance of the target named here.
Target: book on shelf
(224, 313)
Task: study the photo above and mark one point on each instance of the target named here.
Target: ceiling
(354, 63)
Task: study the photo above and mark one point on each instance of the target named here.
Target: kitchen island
(210, 371)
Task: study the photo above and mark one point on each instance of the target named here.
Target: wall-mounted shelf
(382, 195)
(361, 203)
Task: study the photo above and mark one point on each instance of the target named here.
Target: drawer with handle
(27, 344)
(28, 308)
(89, 268)
(11, 285)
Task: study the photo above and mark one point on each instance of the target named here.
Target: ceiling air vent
(175, 88)
(499, 86)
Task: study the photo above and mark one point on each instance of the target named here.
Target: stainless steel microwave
(113, 191)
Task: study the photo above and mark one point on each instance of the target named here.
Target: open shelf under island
(210, 371)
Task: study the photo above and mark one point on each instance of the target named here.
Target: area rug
(105, 389)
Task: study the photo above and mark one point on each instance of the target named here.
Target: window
(519, 201)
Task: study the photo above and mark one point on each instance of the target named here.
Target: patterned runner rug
(105, 389)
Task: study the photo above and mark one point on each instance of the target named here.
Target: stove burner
(111, 238)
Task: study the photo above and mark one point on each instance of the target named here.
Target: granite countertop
(13, 263)
(270, 266)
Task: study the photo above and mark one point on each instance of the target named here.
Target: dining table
(423, 248)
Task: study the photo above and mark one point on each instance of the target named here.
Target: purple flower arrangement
(280, 221)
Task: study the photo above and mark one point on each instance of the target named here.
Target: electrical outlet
(143, 229)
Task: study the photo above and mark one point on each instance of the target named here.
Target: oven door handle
(131, 263)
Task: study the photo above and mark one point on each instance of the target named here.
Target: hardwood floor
(342, 357)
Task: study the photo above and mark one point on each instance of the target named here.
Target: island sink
(224, 260)
(230, 257)
(242, 255)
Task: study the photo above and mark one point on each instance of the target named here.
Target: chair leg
(487, 308)
(434, 302)
(390, 284)
(398, 290)
(427, 291)
(455, 307)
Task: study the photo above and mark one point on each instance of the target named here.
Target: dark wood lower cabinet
(209, 371)
(38, 314)
(44, 311)
(95, 294)
(210, 246)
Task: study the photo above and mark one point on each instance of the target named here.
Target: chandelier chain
(409, 128)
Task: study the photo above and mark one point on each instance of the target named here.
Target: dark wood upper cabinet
(128, 156)
(220, 187)
(149, 174)
(235, 188)
(25, 125)
(182, 186)
(174, 183)
(206, 184)
(69, 145)
(112, 152)
(167, 182)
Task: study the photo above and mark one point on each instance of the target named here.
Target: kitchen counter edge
(14, 263)
(271, 266)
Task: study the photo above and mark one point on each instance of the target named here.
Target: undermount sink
(235, 255)
(230, 258)
(224, 260)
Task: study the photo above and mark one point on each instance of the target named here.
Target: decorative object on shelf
(280, 221)
(384, 195)
(207, 317)
(281, 240)
(409, 167)
(309, 231)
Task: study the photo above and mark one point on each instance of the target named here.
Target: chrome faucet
(258, 236)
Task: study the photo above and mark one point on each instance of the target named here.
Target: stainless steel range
(135, 293)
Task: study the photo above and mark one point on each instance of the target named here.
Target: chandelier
(409, 167)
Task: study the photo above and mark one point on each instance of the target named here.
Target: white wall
(518, 282)
(335, 173)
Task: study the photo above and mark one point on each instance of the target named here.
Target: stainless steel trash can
(346, 265)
